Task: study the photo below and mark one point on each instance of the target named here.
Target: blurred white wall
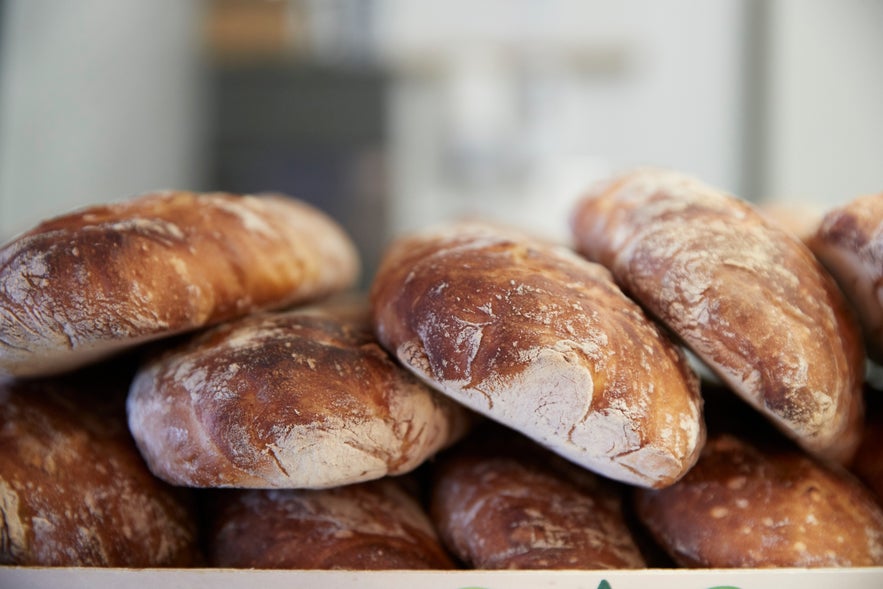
(99, 99)
(823, 123)
(510, 109)
(502, 108)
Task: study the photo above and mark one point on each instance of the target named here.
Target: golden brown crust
(367, 526)
(543, 341)
(73, 489)
(84, 285)
(748, 298)
(501, 502)
(298, 399)
(747, 506)
(849, 242)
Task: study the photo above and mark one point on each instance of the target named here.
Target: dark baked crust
(499, 501)
(849, 242)
(367, 526)
(299, 399)
(747, 297)
(85, 285)
(534, 337)
(749, 506)
(74, 490)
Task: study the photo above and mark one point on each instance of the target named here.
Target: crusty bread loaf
(373, 525)
(849, 242)
(74, 490)
(758, 506)
(534, 337)
(299, 399)
(82, 286)
(748, 298)
(500, 501)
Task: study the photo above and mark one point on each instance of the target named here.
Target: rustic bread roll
(500, 501)
(82, 286)
(73, 489)
(751, 506)
(748, 298)
(849, 242)
(296, 399)
(374, 525)
(534, 337)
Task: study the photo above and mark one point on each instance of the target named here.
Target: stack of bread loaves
(193, 380)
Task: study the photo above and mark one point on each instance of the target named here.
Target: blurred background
(395, 114)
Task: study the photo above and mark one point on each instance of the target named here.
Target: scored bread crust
(299, 399)
(87, 284)
(849, 242)
(541, 340)
(748, 298)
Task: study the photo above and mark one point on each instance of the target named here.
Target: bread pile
(194, 380)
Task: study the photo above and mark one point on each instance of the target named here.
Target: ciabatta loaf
(757, 506)
(304, 398)
(849, 242)
(500, 501)
(74, 490)
(82, 286)
(747, 297)
(375, 525)
(543, 341)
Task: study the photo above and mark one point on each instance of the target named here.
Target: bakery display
(849, 242)
(747, 297)
(759, 506)
(304, 398)
(536, 338)
(374, 525)
(73, 488)
(496, 401)
(79, 287)
(500, 501)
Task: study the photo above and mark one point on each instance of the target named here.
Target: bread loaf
(748, 298)
(849, 242)
(750, 506)
(299, 399)
(73, 489)
(536, 338)
(85, 285)
(374, 525)
(501, 502)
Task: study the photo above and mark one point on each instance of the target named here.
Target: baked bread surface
(536, 338)
(85, 285)
(745, 505)
(376, 525)
(849, 242)
(747, 297)
(500, 501)
(73, 489)
(304, 398)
